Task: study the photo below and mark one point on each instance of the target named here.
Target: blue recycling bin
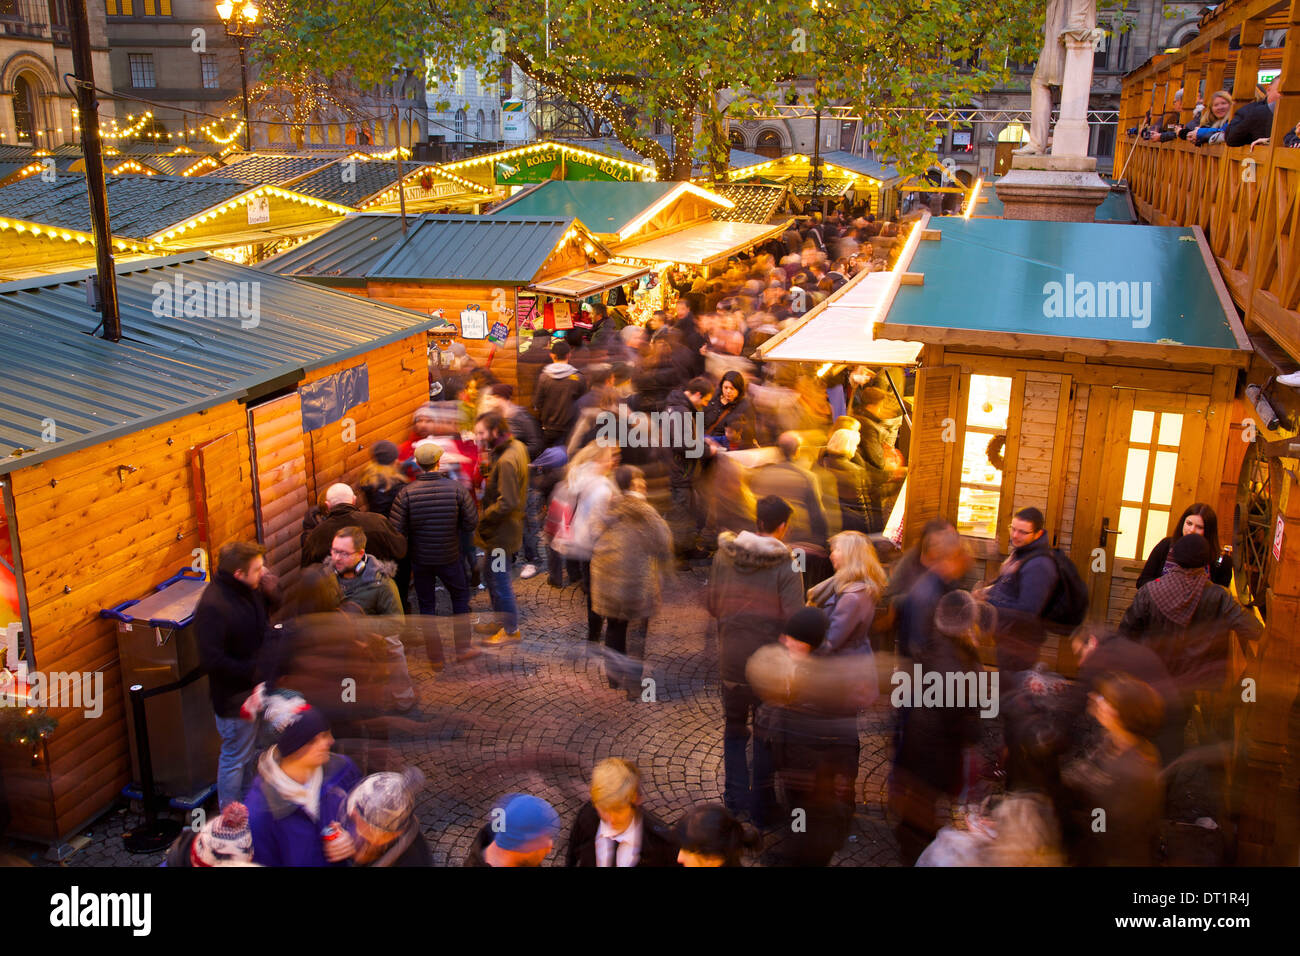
(157, 645)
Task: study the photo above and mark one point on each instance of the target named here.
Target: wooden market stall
(843, 174)
(1087, 370)
(361, 182)
(124, 462)
(230, 218)
(480, 272)
(505, 170)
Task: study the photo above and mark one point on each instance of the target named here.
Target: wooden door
(1149, 473)
(281, 491)
(221, 492)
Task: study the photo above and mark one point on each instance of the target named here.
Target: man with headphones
(363, 581)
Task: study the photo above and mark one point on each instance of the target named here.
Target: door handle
(1105, 530)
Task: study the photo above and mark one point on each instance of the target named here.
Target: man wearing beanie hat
(436, 514)
(382, 821)
(224, 840)
(300, 789)
(1186, 618)
(809, 718)
(521, 832)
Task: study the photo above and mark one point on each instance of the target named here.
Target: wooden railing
(1245, 200)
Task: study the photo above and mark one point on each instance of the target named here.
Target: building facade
(36, 109)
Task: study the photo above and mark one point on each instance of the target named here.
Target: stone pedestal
(1052, 188)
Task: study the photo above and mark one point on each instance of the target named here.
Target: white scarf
(305, 795)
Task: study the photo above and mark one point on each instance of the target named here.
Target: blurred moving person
(521, 833)
(710, 835)
(613, 829)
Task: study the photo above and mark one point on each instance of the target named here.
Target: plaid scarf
(1177, 594)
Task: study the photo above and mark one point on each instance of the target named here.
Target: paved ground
(538, 715)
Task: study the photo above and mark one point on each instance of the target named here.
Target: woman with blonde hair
(849, 596)
(612, 828)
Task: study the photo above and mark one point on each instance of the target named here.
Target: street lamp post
(241, 27)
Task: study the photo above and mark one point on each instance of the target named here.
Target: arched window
(495, 131)
(769, 144)
(737, 138)
(460, 124)
(479, 125)
(24, 111)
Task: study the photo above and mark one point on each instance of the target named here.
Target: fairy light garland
(567, 150)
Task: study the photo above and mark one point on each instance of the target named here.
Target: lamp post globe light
(241, 26)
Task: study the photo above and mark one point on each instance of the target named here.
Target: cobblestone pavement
(537, 716)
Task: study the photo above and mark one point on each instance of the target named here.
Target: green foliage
(632, 63)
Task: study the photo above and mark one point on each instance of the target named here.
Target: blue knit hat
(526, 823)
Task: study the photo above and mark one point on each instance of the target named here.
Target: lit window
(141, 70)
(1150, 468)
(208, 62)
(460, 123)
(987, 412)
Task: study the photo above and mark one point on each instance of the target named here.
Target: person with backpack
(1023, 592)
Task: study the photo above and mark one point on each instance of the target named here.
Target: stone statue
(1071, 24)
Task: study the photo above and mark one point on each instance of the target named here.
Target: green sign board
(541, 166)
(529, 168)
(597, 169)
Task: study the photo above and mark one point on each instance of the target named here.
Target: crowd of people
(1248, 125)
(647, 451)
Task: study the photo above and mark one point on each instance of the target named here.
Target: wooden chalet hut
(123, 462)
(1088, 370)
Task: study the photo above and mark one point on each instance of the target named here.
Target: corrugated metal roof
(270, 170)
(364, 180)
(603, 207)
(138, 206)
(508, 249)
(861, 165)
(348, 250)
(164, 367)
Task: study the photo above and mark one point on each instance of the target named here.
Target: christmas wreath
(996, 449)
(426, 181)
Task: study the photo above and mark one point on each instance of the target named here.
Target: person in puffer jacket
(754, 589)
(432, 512)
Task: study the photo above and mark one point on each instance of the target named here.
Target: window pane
(1171, 428)
(1135, 475)
(1162, 478)
(1141, 430)
(1157, 528)
(1127, 541)
(977, 512)
(989, 402)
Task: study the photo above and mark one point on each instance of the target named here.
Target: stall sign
(1277, 539)
(499, 333)
(259, 210)
(531, 168)
(563, 318)
(597, 170)
(473, 323)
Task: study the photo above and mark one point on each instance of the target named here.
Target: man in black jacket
(382, 541)
(559, 386)
(1254, 121)
(431, 513)
(230, 622)
(684, 433)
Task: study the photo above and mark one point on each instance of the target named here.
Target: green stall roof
(989, 282)
(603, 207)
